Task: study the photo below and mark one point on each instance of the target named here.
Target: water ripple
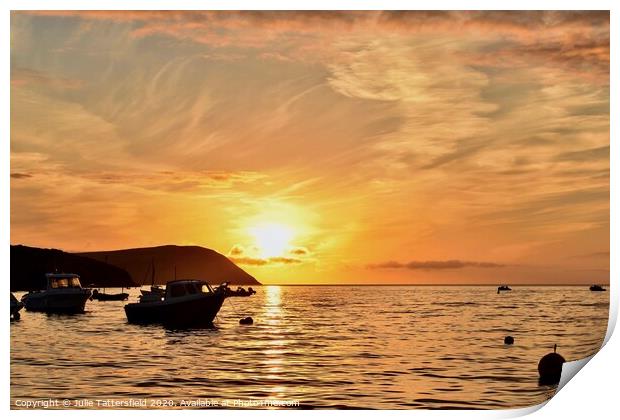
(328, 347)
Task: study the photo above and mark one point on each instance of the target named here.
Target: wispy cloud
(566, 36)
(450, 133)
(264, 261)
(19, 175)
(434, 265)
(248, 256)
(599, 254)
(299, 251)
(28, 77)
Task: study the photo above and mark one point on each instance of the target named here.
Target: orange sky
(358, 147)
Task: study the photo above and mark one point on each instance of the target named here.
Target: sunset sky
(354, 147)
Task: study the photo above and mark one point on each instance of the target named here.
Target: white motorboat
(64, 294)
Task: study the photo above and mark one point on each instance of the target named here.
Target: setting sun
(271, 239)
(482, 154)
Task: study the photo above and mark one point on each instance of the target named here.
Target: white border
(593, 393)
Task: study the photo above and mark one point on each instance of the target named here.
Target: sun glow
(271, 239)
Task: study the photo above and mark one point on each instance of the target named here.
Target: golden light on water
(273, 300)
(273, 353)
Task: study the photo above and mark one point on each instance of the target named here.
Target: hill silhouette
(190, 261)
(29, 265)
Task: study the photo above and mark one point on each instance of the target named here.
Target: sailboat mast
(106, 262)
(153, 273)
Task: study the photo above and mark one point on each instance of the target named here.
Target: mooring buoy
(509, 340)
(550, 368)
(246, 321)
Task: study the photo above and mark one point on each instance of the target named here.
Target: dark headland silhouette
(29, 265)
(125, 267)
(192, 262)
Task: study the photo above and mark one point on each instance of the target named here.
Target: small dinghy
(97, 295)
(597, 288)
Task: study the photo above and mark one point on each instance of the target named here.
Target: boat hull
(69, 302)
(195, 311)
(15, 308)
(109, 297)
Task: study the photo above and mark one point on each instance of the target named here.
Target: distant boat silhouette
(103, 296)
(503, 288)
(240, 292)
(156, 292)
(597, 288)
(97, 295)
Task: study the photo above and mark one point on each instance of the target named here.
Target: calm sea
(326, 347)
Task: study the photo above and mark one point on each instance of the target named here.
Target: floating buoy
(246, 321)
(509, 340)
(550, 368)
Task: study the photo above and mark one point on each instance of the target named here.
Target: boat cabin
(63, 281)
(179, 288)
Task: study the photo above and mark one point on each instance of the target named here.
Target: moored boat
(186, 303)
(239, 292)
(103, 296)
(156, 293)
(154, 290)
(64, 294)
(16, 306)
(597, 288)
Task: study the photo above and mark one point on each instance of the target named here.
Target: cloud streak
(478, 134)
(264, 261)
(563, 35)
(434, 265)
(246, 256)
(19, 175)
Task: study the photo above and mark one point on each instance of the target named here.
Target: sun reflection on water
(273, 300)
(273, 318)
